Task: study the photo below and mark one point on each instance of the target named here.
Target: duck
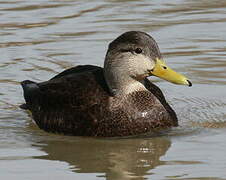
(115, 100)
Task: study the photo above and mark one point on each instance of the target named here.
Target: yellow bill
(162, 71)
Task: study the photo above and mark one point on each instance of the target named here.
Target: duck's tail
(29, 88)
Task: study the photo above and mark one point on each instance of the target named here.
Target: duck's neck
(118, 78)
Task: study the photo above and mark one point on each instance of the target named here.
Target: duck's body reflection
(117, 159)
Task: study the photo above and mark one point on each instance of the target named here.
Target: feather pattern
(78, 102)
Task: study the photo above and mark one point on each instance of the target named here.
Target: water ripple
(35, 7)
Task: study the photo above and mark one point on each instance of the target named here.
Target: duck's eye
(138, 50)
(164, 67)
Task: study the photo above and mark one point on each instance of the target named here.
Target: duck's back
(67, 102)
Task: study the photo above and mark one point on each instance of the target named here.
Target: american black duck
(117, 100)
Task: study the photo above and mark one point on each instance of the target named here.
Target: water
(39, 38)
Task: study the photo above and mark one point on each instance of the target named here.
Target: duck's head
(134, 56)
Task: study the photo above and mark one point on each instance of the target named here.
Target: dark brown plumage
(79, 102)
(76, 102)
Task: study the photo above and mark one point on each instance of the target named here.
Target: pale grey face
(135, 53)
(133, 56)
